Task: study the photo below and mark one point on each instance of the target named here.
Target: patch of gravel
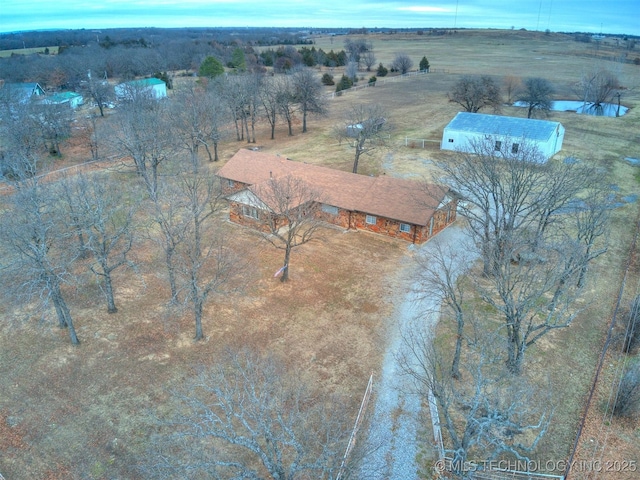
(396, 412)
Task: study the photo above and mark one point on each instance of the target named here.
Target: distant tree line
(153, 37)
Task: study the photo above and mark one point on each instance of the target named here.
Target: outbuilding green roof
(63, 96)
(146, 82)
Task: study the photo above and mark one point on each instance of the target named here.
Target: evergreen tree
(424, 64)
(211, 67)
(382, 71)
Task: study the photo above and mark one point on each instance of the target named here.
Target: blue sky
(595, 16)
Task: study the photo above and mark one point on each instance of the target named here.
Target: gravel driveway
(396, 413)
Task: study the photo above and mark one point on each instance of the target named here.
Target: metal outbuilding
(467, 128)
(154, 87)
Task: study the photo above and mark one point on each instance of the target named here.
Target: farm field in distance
(87, 412)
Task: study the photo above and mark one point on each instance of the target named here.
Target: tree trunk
(108, 292)
(215, 152)
(515, 350)
(206, 147)
(64, 316)
(455, 365)
(304, 120)
(285, 267)
(172, 274)
(356, 160)
(197, 310)
(290, 128)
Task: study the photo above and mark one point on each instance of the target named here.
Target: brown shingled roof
(399, 199)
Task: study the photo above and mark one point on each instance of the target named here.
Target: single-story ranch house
(399, 208)
(466, 128)
(152, 86)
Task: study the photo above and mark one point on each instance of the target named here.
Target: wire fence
(475, 471)
(419, 142)
(356, 426)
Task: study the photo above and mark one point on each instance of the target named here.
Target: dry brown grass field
(87, 412)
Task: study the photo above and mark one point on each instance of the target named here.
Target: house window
(405, 227)
(329, 209)
(371, 220)
(451, 140)
(514, 148)
(498, 145)
(248, 211)
(230, 183)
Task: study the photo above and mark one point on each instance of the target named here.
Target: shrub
(327, 79)
(382, 71)
(372, 81)
(344, 83)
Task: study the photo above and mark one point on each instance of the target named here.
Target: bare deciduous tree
(367, 129)
(242, 96)
(402, 63)
(356, 49)
(100, 90)
(143, 134)
(190, 121)
(22, 147)
(53, 124)
(512, 85)
(95, 208)
(289, 207)
(351, 71)
(596, 88)
(207, 264)
(536, 234)
(246, 416)
(309, 93)
(39, 263)
(167, 214)
(369, 59)
(486, 413)
(536, 94)
(269, 96)
(439, 280)
(473, 93)
(285, 98)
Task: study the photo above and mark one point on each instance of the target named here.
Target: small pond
(605, 110)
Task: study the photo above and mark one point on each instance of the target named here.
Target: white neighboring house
(466, 128)
(153, 86)
(73, 99)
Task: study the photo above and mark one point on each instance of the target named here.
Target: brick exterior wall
(229, 187)
(352, 220)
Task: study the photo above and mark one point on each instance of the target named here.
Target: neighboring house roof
(24, 91)
(399, 199)
(484, 124)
